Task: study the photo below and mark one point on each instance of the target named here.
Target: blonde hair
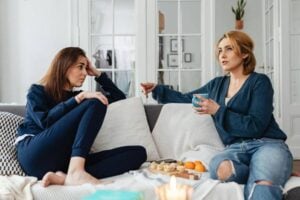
(242, 44)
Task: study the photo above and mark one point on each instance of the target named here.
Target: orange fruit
(199, 167)
(197, 162)
(189, 165)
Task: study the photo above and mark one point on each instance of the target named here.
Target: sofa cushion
(125, 123)
(179, 130)
(8, 154)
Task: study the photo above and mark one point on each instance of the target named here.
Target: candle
(173, 191)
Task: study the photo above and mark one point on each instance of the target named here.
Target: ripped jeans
(257, 160)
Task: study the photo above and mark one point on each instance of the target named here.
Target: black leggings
(73, 135)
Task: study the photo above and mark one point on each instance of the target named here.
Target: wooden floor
(296, 166)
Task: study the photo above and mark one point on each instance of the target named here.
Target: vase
(239, 24)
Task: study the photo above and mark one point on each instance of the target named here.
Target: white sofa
(176, 133)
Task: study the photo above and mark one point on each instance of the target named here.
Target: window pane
(101, 16)
(267, 22)
(192, 52)
(167, 52)
(169, 78)
(190, 80)
(124, 17)
(295, 49)
(125, 52)
(295, 17)
(169, 11)
(102, 52)
(125, 82)
(295, 86)
(271, 54)
(191, 16)
(271, 22)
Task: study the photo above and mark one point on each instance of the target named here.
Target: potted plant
(239, 12)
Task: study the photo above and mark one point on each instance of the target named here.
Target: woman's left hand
(91, 70)
(207, 106)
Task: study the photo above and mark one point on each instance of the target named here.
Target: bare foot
(80, 177)
(51, 178)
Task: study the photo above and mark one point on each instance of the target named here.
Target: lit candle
(175, 191)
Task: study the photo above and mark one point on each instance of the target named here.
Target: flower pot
(239, 24)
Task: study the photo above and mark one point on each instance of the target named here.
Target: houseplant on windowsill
(239, 12)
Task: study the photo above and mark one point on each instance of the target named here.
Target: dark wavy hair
(242, 44)
(55, 78)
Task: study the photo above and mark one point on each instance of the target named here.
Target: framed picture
(187, 57)
(174, 45)
(172, 60)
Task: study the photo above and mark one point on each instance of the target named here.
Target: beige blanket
(16, 187)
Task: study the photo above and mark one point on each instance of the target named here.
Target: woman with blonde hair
(241, 105)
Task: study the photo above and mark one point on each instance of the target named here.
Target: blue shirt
(42, 111)
(248, 114)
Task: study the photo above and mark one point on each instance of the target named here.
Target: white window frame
(146, 49)
(82, 37)
(147, 34)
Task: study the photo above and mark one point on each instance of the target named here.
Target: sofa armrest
(15, 109)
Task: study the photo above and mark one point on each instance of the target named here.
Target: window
(179, 63)
(112, 41)
(136, 41)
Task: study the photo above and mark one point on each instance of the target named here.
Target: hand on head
(91, 70)
(147, 88)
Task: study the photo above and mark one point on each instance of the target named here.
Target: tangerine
(200, 167)
(189, 165)
(197, 162)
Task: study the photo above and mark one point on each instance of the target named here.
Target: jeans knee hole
(225, 170)
(263, 182)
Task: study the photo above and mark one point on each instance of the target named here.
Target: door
(272, 54)
(290, 72)
(282, 65)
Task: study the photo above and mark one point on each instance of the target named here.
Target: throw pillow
(125, 124)
(179, 129)
(8, 154)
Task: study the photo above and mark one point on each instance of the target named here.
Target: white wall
(32, 31)
(225, 21)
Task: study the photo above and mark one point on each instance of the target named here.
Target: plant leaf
(239, 10)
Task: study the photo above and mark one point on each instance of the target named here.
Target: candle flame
(173, 183)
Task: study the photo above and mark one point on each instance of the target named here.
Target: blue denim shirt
(248, 114)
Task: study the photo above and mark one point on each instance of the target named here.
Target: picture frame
(172, 60)
(174, 45)
(187, 57)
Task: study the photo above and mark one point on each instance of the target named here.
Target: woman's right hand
(147, 88)
(89, 95)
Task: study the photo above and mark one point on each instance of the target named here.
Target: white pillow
(179, 129)
(125, 124)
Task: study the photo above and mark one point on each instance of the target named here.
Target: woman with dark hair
(241, 105)
(60, 126)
